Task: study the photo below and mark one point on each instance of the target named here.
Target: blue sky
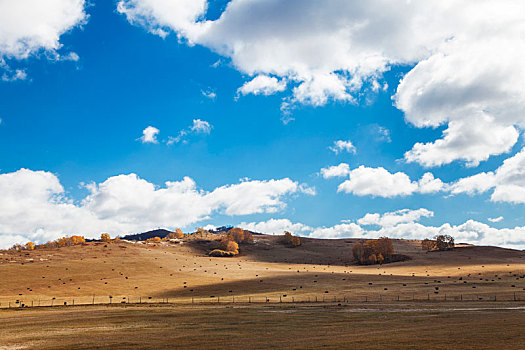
(75, 110)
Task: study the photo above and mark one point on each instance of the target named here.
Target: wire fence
(280, 299)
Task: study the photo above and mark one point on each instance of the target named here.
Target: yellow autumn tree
(105, 237)
(236, 234)
(30, 246)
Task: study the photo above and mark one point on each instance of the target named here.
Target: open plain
(154, 296)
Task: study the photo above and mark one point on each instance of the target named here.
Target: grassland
(407, 326)
(318, 269)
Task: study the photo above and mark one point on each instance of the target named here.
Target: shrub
(154, 240)
(105, 237)
(221, 253)
(229, 246)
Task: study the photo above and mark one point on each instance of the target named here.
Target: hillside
(131, 271)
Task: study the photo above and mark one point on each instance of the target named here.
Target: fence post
(218, 300)
(73, 303)
(93, 300)
(249, 300)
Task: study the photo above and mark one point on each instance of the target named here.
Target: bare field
(468, 278)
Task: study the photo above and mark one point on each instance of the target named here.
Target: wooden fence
(281, 299)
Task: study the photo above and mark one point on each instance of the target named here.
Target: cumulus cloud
(29, 27)
(262, 85)
(399, 224)
(198, 127)
(507, 181)
(341, 170)
(468, 72)
(35, 206)
(379, 182)
(149, 135)
(275, 227)
(394, 218)
(341, 145)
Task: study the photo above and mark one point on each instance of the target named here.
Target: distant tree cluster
(239, 235)
(373, 251)
(229, 245)
(60, 242)
(154, 240)
(177, 234)
(291, 240)
(440, 242)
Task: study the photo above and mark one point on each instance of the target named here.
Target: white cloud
(398, 224)
(341, 145)
(28, 26)
(35, 206)
(498, 219)
(31, 27)
(429, 184)
(402, 216)
(17, 74)
(468, 70)
(338, 231)
(159, 17)
(262, 85)
(379, 182)
(198, 127)
(149, 135)
(341, 170)
(508, 181)
(470, 140)
(275, 227)
(209, 94)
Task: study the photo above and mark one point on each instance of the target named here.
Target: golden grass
(395, 326)
(318, 268)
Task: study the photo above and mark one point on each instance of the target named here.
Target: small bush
(221, 253)
(229, 246)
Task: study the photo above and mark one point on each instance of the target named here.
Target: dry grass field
(405, 301)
